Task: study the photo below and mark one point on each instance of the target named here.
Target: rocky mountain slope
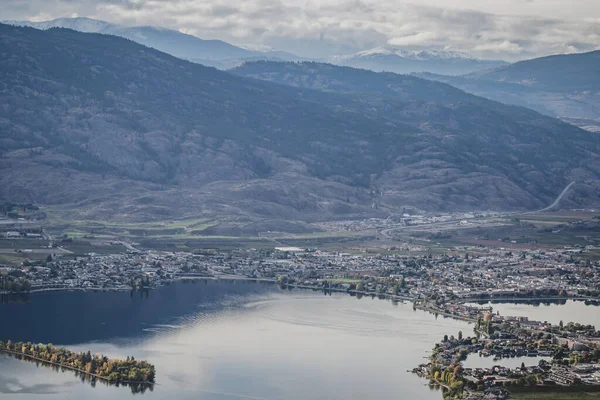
(117, 130)
(478, 145)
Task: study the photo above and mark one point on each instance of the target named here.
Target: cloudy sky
(508, 29)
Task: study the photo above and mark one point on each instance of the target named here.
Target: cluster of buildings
(477, 274)
(553, 355)
(406, 219)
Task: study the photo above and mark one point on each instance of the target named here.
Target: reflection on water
(551, 311)
(15, 298)
(91, 380)
(13, 385)
(477, 361)
(223, 340)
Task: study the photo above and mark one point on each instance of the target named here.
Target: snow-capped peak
(423, 55)
(442, 55)
(375, 51)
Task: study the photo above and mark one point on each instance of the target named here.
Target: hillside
(120, 131)
(558, 73)
(478, 147)
(348, 81)
(566, 86)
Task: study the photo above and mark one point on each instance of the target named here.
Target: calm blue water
(79, 317)
(228, 340)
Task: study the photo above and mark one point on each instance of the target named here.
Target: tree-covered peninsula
(129, 371)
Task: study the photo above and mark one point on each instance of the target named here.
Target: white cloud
(417, 39)
(40, 17)
(488, 28)
(501, 47)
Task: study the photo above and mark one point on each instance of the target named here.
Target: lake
(477, 361)
(228, 340)
(553, 312)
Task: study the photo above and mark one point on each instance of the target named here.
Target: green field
(184, 234)
(343, 280)
(14, 259)
(82, 247)
(532, 230)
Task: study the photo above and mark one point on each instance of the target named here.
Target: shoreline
(445, 314)
(417, 304)
(129, 289)
(299, 286)
(30, 357)
(513, 299)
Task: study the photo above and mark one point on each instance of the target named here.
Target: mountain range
(565, 86)
(116, 130)
(214, 53)
(404, 62)
(222, 55)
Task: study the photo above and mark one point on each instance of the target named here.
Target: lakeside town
(478, 273)
(447, 284)
(563, 356)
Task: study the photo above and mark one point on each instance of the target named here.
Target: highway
(558, 199)
(388, 232)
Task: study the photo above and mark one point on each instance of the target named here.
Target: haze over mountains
(405, 62)
(118, 130)
(566, 86)
(214, 53)
(562, 86)
(223, 55)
